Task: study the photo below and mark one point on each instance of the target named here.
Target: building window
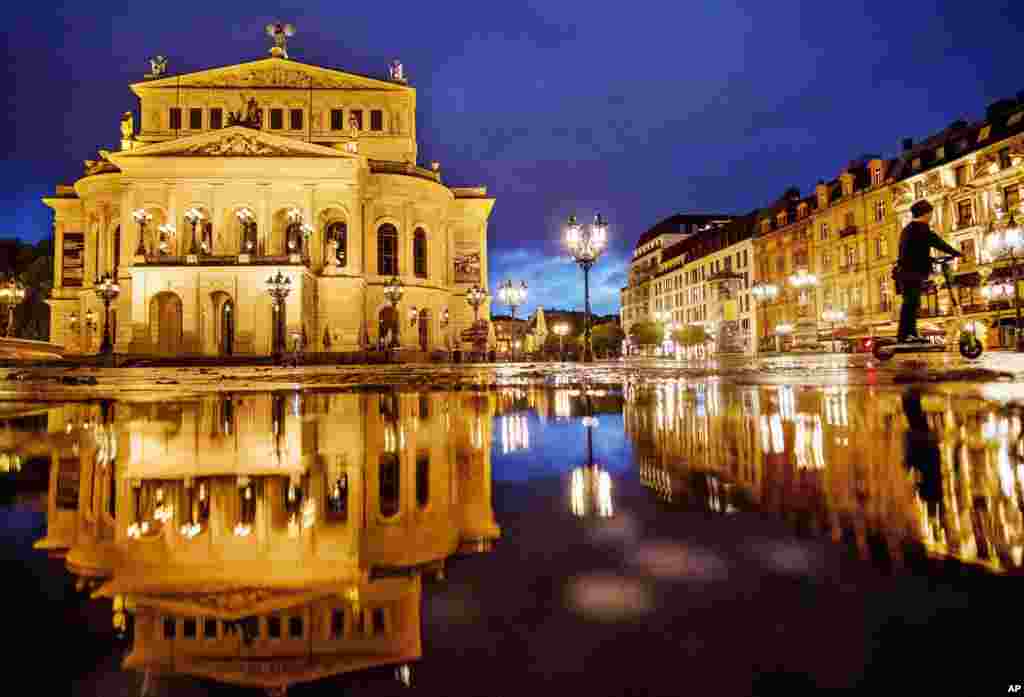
(826, 262)
(295, 627)
(389, 485)
(918, 190)
(387, 250)
(881, 246)
(195, 119)
(849, 220)
(376, 120)
(940, 152)
(916, 163)
(879, 210)
(963, 214)
(378, 620)
(961, 175)
(209, 628)
(277, 119)
(274, 627)
(216, 118)
(337, 119)
(338, 233)
(356, 117)
(296, 119)
(170, 628)
(419, 252)
(876, 175)
(1011, 197)
(189, 628)
(967, 249)
(824, 232)
(1015, 119)
(175, 118)
(984, 133)
(1004, 159)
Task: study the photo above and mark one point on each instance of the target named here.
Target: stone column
(129, 231)
(171, 192)
(264, 224)
(216, 217)
(316, 241)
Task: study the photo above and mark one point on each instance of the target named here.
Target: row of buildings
(829, 253)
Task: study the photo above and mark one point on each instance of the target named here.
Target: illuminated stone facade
(269, 539)
(323, 164)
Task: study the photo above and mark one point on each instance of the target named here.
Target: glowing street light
(1008, 242)
(763, 293)
(107, 289)
(561, 329)
(476, 296)
(141, 216)
(278, 287)
(513, 296)
(12, 294)
(393, 293)
(586, 246)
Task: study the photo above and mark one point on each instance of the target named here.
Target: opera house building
(227, 177)
(268, 539)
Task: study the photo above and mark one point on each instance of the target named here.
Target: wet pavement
(633, 529)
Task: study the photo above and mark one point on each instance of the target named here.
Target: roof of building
(736, 230)
(672, 224)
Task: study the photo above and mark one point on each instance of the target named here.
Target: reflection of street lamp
(513, 296)
(141, 217)
(561, 329)
(763, 294)
(393, 292)
(12, 294)
(586, 245)
(832, 317)
(107, 290)
(590, 484)
(1007, 243)
(278, 287)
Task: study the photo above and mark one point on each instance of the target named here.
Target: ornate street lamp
(278, 287)
(586, 245)
(107, 289)
(141, 217)
(166, 233)
(763, 293)
(1008, 242)
(194, 216)
(513, 296)
(476, 296)
(247, 219)
(12, 294)
(832, 317)
(393, 292)
(561, 329)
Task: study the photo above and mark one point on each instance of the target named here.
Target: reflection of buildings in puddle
(250, 569)
(515, 433)
(590, 492)
(834, 461)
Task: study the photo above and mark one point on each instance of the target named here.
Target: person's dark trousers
(909, 311)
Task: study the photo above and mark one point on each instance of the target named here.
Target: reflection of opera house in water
(270, 539)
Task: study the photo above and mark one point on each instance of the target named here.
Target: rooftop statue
(396, 71)
(253, 117)
(280, 32)
(157, 66)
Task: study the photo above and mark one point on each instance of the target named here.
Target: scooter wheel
(881, 352)
(971, 349)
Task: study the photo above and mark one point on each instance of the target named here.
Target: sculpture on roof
(280, 32)
(127, 126)
(157, 66)
(396, 71)
(253, 117)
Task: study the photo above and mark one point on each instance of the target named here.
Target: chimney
(908, 143)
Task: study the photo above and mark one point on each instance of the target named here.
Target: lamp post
(393, 292)
(12, 294)
(246, 218)
(832, 317)
(763, 294)
(586, 245)
(107, 289)
(1007, 243)
(278, 287)
(561, 329)
(513, 296)
(476, 296)
(194, 216)
(141, 217)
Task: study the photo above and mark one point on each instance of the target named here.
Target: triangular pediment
(234, 141)
(274, 73)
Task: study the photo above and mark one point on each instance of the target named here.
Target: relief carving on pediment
(271, 77)
(238, 145)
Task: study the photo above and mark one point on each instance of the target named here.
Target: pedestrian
(914, 266)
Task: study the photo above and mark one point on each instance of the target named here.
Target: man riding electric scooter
(915, 266)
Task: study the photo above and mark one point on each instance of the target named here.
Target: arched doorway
(165, 323)
(227, 328)
(388, 326)
(424, 330)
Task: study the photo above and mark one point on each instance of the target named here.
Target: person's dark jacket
(916, 242)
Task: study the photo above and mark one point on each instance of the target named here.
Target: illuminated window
(338, 232)
(916, 163)
(824, 231)
(964, 215)
(983, 134)
(876, 175)
(1004, 159)
(879, 210)
(387, 250)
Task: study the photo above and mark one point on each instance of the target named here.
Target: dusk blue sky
(639, 110)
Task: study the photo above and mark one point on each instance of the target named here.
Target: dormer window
(940, 152)
(1015, 119)
(802, 210)
(916, 163)
(781, 218)
(876, 176)
(984, 133)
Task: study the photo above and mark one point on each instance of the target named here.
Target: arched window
(338, 232)
(387, 250)
(389, 485)
(419, 252)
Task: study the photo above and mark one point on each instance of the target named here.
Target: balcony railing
(224, 260)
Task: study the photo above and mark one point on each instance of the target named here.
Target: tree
(647, 333)
(606, 338)
(691, 335)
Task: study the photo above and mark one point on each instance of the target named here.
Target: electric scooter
(969, 344)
